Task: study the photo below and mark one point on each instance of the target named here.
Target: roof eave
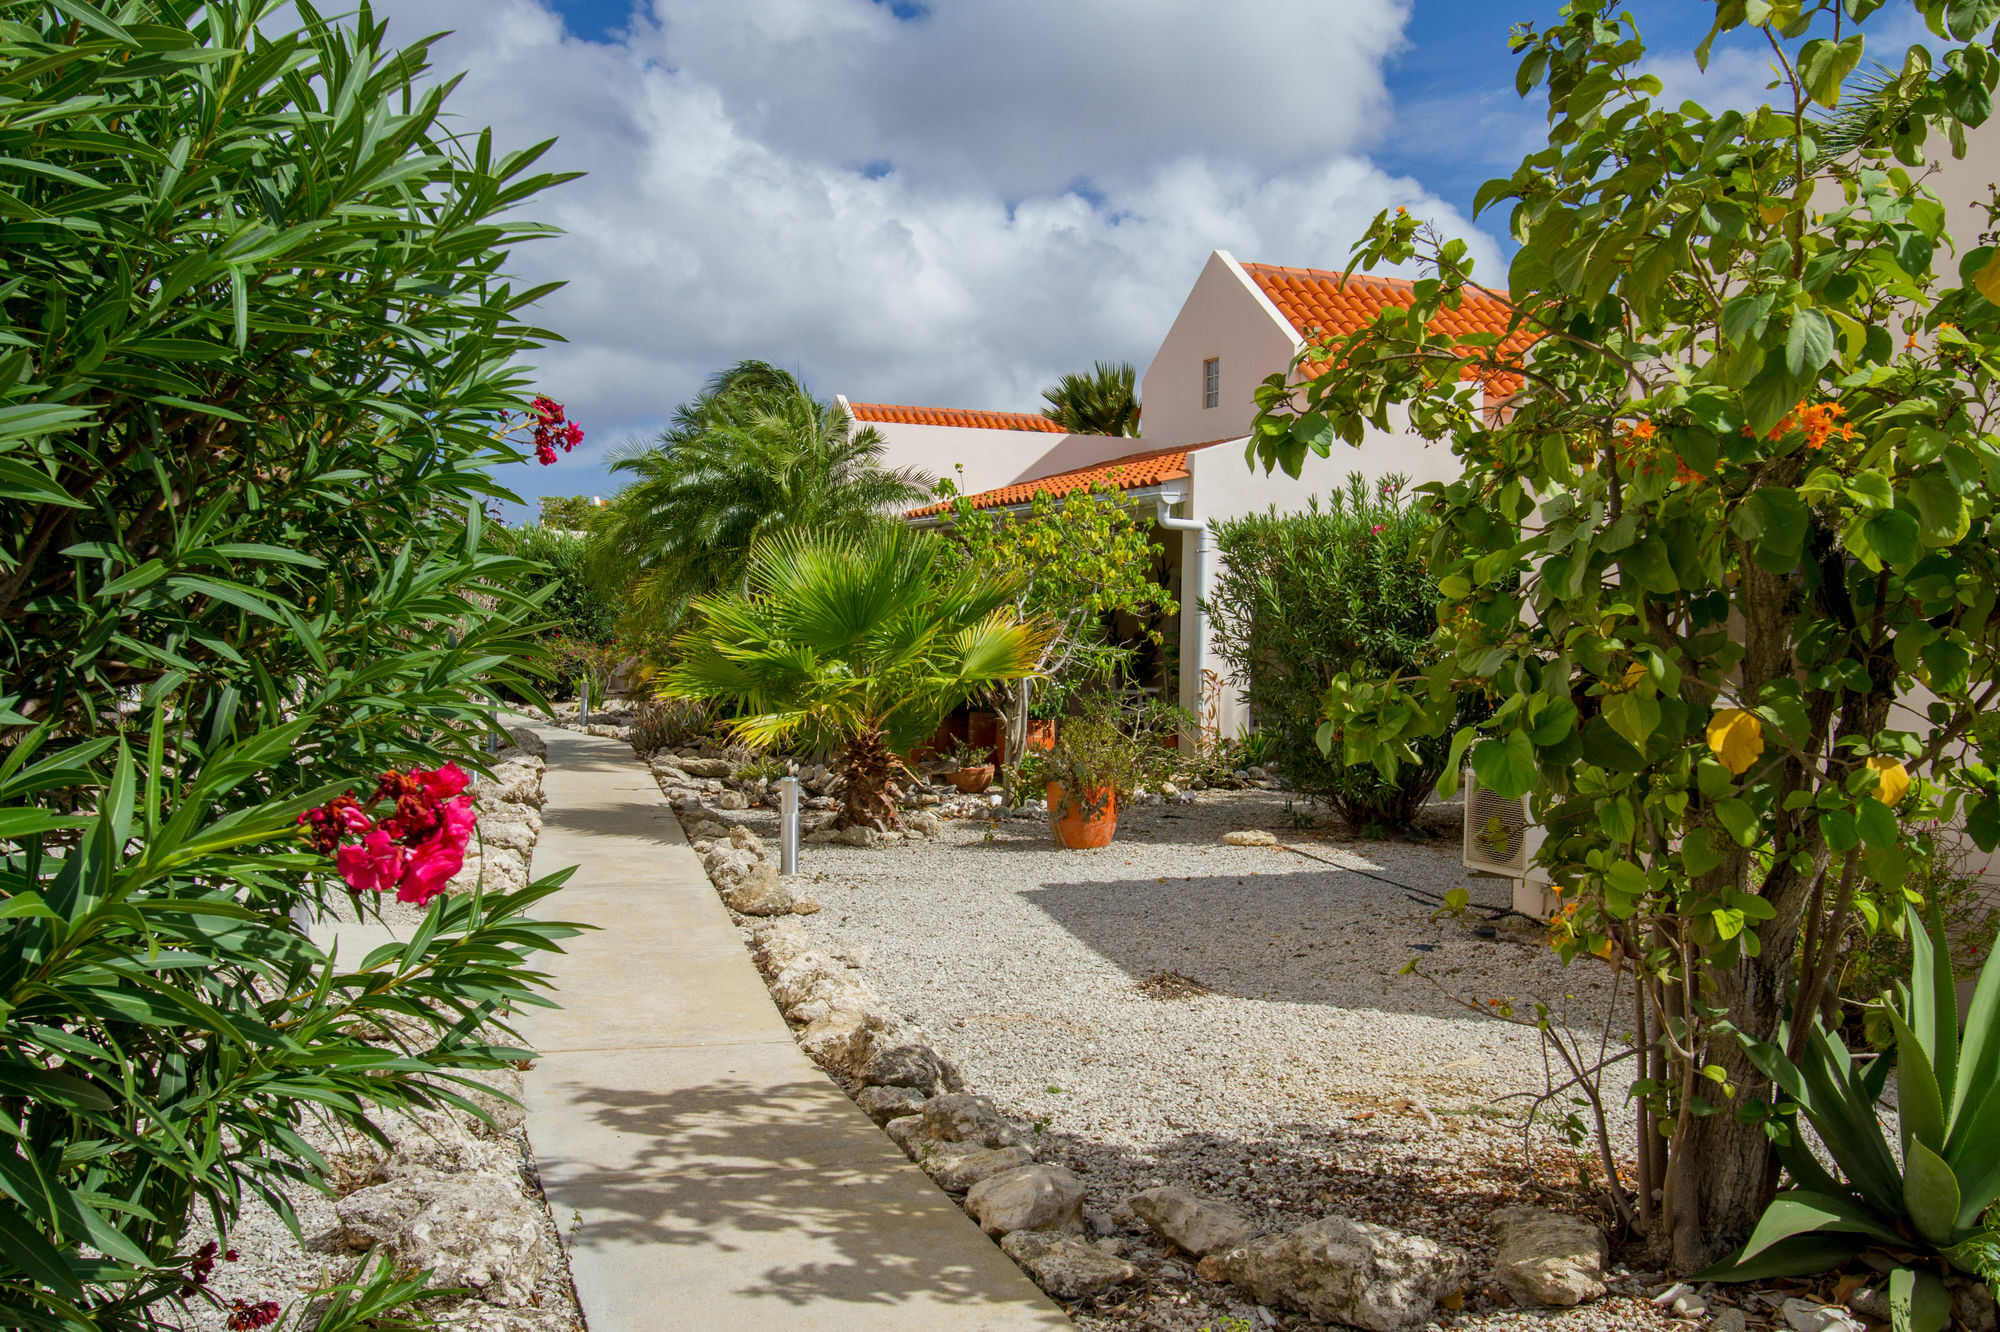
(1172, 490)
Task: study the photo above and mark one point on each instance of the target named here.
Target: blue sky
(951, 202)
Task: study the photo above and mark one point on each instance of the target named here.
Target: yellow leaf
(1635, 675)
(1893, 782)
(1987, 279)
(1772, 214)
(1737, 738)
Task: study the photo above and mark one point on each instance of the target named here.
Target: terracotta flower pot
(1076, 828)
(971, 781)
(1042, 734)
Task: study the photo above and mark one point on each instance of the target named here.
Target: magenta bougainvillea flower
(414, 849)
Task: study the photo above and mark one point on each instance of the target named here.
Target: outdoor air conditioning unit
(1501, 839)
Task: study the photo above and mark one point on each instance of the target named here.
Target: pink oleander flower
(551, 429)
(330, 822)
(445, 782)
(415, 849)
(375, 866)
(433, 862)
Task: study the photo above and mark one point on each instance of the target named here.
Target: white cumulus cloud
(950, 208)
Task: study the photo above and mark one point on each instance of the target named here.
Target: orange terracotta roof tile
(1320, 305)
(1130, 472)
(953, 416)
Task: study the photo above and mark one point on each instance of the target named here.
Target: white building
(1240, 324)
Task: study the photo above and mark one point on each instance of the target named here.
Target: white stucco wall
(1965, 185)
(1227, 317)
(990, 457)
(1074, 451)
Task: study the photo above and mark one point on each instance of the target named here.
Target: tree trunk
(1723, 1172)
(1013, 739)
(870, 795)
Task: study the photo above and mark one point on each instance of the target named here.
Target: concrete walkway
(704, 1173)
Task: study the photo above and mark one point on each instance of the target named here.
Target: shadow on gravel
(1323, 936)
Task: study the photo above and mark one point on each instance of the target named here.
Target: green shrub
(1942, 878)
(858, 641)
(568, 513)
(578, 606)
(669, 723)
(1305, 597)
(255, 339)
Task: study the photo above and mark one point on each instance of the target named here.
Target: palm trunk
(870, 795)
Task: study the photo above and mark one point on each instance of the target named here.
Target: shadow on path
(749, 1170)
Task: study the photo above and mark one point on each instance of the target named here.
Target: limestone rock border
(918, 1096)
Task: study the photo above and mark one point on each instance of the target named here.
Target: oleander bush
(256, 344)
(1305, 597)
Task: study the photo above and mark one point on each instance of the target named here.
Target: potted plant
(1089, 769)
(972, 768)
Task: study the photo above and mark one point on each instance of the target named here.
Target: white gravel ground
(1311, 1078)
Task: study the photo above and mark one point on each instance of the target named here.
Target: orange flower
(1819, 422)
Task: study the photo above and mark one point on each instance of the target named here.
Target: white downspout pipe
(1191, 611)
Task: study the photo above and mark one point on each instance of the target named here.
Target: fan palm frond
(860, 639)
(1102, 402)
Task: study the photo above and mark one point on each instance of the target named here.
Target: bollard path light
(788, 813)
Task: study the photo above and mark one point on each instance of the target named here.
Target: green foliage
(575, 663)
(378, 1298)
(669, 723)
(1103, 402)
(255, 337)
(1742, 501)
(1948, 1178)
(1096, 760)
(1076, 560)
(189, 298)
(1307, 599)
(1259, 747)
(753, 457)
(857, 641)
(1981, 1252)
(578, 605)
(566, 513)
(1945, 880)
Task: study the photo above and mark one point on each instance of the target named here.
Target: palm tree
(753, 455)
(1103, 402)
(855, 641)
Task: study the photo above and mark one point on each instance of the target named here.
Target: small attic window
(1211, 382)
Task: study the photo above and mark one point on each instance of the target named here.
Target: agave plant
(1931, 1205)
(860, 642)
